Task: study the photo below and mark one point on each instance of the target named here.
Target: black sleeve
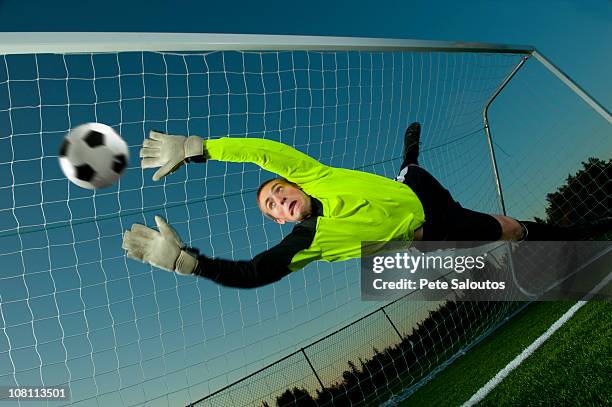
(265, 268)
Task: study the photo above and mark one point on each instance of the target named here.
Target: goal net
(75, 312)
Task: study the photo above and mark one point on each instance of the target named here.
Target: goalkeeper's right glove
(170, 152)
(163, 249)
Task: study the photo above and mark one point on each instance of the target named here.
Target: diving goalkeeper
(335, 210)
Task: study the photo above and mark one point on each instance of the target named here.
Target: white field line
(501, 375)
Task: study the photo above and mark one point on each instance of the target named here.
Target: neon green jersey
(356, 206)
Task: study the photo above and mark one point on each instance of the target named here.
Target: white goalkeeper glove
(163, 249)
(170, 152)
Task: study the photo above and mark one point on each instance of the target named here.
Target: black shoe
(585, 231)
(411, 144)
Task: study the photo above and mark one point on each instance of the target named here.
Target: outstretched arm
(164, 249)
(265, 268)
(273, 156)
(170, 152)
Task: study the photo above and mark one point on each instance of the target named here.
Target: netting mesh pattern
(75, 311)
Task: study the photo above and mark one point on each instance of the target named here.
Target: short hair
(263, 184)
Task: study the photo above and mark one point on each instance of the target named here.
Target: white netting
(75, 311)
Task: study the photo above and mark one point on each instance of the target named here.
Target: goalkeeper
(336, 209)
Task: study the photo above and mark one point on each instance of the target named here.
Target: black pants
(445, 218)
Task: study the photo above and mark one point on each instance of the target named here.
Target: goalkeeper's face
(284, 202)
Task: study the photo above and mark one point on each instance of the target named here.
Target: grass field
(572, 368)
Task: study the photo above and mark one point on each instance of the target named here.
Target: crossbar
(65, 42)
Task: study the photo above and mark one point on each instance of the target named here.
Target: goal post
(75, 312)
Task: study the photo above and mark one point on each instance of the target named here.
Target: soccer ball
(93, 155)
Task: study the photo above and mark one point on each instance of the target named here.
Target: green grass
(574, 367)
(575, 360)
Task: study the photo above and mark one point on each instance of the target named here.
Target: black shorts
(445, 218)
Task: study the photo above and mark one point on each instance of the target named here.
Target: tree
(296, 397)
(585, 196)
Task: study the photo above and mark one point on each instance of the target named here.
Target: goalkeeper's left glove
(170, 152)
(163, 249)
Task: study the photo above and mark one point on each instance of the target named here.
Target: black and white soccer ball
(93, 155)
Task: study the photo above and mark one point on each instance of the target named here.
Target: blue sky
(141, 312)
(573, 34)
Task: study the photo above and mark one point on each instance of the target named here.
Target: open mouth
(292, 206)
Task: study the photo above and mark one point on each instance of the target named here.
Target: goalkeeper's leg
(447, 220)
(544, 232)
